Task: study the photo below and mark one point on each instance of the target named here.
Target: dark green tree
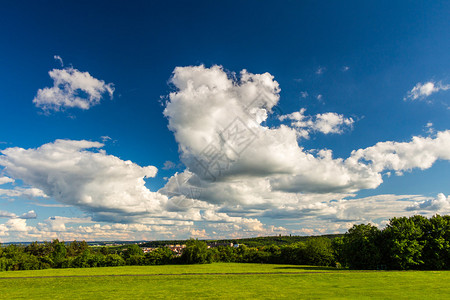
(436, 243)
(59, 253)
(404, 242)
(318, 252)
(196, 252)
(159, 256)
(133, 249)
(359, 248)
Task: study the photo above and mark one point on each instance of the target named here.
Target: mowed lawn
(223, 280)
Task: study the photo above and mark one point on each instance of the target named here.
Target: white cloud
(92, 180)
(201, 113)
(5, 179)
(304, 94)
(59, 59)
(440, 204)
(17, 225)
(345, 68)
(199, 234)
(319, 97)
(430, 129)
(168, 165)
(108, 188)
(234, 165)
(325, 123)
(29, 215)
(420, 152)
(423, 90)
(72, 88)
(23, 192)
(105, 138)
(332, 123)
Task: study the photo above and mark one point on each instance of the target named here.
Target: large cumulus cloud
(70, 172)
(219, 123)
(238, 163)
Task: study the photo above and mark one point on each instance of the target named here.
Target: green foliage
(76, 248)
(59, 253)
(318, 252)
(196, 252)
(113, 260)
(159, 256)
(404, 243)
(293, 254)
(436, 241)
(133, 250)
(359, 247)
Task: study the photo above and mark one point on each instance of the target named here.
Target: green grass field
(222, 280)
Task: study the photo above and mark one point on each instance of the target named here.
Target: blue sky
(108, 110)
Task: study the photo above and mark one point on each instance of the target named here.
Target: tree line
(416, 242)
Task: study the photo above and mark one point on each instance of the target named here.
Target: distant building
(147, 249)
(217, 244)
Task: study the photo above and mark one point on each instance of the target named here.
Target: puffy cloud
(92, 180)
(197, 233)
(423, 90)
(440, 204)
(235, 160)
(420, 152)
(17, 225)
(325, 123)
(207, 101)
(5, 179)
(110, 189)
(29, 215)
(72, 88)
(331, 123)
(58, 223)
(218, 122)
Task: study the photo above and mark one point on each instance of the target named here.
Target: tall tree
(360, 247)
(196, 252)
(404, 242)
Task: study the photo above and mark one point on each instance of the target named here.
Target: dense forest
(416, 242)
